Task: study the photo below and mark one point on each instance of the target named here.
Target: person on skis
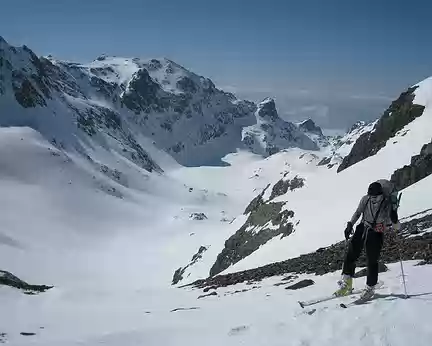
(379, 211)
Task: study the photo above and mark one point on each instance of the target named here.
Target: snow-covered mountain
(122, 102)
(183, 113)
(271, 134)
(70, 112)
(95, 203)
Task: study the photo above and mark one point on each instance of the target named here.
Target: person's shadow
(393, 296)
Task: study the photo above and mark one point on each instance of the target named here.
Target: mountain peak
(357, 125)
(271, 134)
(309, 126)
(267, 100)
(266, 110)
(3, 43)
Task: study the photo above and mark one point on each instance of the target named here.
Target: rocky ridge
(419, 168)
(400, 113)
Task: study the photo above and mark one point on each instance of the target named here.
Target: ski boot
(345, 286)
(367, 293)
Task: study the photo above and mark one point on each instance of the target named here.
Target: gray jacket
(369, 206)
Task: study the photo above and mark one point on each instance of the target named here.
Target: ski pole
(403, 273)
(400, 253)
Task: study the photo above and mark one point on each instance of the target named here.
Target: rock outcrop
(8, 279)
(178, 274)
(419, 168)
(198, 216)
(301, 284)
(400, 113)
(283, 185)
(266, 220)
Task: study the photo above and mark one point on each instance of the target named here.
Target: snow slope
(108, 228)
(266, 315)
(111, 259)
(107, 257)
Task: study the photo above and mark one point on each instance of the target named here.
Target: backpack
(390, 193)
(391, 200)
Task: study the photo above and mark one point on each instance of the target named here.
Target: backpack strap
(366, 204)
(377, 213)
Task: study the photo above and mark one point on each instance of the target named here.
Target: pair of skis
(305, 304)
(323, 299)
(357, 301)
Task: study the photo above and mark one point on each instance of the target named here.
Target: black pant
(373, 242)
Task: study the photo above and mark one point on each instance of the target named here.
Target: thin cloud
(328, 107)
(237, 89)
(312, 111)
(371, 97)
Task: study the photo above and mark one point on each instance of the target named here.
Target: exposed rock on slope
(198, 216)
(283, 185)
(362, 273)
(8, 279)
(301, 284)
(178, 274)
(266, 220)
(419, 168)
(400, 113)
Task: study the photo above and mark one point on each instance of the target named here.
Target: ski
(303, 304)
(362, 300)
(358, 301)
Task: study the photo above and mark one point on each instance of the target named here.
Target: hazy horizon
(335, 62)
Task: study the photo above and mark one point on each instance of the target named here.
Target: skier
(379, 209)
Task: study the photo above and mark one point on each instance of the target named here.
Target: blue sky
(333, 60)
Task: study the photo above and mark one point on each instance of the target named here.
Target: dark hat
(375, 189)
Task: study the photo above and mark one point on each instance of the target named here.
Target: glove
(396, 226)
(348, 230)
